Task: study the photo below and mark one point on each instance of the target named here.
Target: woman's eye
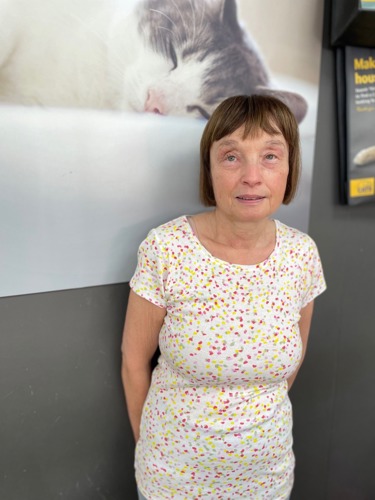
(230, 158)
(271, 156)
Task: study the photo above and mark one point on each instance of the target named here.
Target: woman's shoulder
(170, 227)
(169, 232)
(292, 237)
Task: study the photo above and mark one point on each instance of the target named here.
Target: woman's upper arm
(141, 330)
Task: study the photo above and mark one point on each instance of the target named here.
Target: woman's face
(249, 175)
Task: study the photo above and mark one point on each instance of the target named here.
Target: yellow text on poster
(362, 187)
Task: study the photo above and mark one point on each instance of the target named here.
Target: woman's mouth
(250, 197)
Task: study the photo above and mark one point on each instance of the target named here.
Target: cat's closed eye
(204, 114)
(173, 56)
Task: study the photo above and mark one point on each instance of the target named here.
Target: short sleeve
(314, 281)
(149, 277)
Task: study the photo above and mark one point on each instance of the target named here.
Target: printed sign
(358, 124)
(368, 4)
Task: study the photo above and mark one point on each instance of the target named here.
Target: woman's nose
(251, 173)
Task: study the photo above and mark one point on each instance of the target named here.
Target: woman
(228, 297)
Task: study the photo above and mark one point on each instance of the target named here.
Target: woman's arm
(304, 328)
(140, 341)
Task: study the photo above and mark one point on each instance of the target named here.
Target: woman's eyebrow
(233, 142)
(227, 142)
(276, 142)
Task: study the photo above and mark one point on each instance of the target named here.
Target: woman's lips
(252, 197)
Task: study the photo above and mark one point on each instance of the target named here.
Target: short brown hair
(256, 113)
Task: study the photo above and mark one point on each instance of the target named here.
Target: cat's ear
(294, 101)
(229, 17)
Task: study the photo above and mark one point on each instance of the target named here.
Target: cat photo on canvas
(170, 57)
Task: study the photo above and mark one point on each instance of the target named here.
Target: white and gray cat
(178, 57)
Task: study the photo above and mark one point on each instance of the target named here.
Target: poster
(367, 4)
(102, 105)
(356, 79)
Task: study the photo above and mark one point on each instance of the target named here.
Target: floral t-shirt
(217, 421)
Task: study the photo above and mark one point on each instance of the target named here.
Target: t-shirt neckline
(208, 254)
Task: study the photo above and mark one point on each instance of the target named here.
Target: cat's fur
(179, 57)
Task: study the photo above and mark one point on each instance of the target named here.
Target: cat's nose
(154, 102)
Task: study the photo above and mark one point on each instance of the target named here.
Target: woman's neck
(235, 241)
(241, 234)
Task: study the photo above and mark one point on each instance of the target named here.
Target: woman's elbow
(134, 366)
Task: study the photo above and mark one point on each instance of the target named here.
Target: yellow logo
(362, 187)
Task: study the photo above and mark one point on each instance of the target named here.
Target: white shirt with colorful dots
(217, 421)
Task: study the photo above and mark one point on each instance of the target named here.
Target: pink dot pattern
(217, 421)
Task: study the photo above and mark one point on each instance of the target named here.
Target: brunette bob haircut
(255, 113)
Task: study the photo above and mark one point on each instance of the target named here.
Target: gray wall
(334, 395)
(64, 432)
